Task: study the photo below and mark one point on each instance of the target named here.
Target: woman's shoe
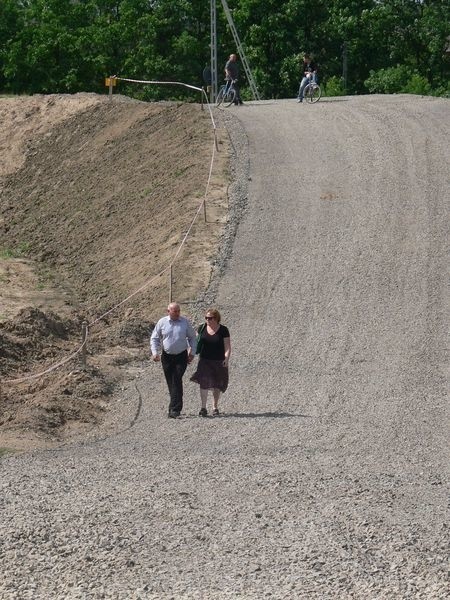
(216, 412)
(203, 412)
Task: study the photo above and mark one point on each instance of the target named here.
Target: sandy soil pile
(96, 197)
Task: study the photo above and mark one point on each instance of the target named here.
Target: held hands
(190, 358)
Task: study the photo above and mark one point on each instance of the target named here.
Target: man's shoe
(300, 100)
(173, 414)
(216, 412)
(203, 412)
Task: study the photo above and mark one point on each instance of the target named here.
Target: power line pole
(213, 91)
(240, 51)
(344, 66)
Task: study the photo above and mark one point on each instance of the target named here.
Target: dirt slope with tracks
(95, 198)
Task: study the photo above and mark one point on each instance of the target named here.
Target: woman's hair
(214, 313)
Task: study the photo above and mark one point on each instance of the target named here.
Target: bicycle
(227, 94)
(312, 92)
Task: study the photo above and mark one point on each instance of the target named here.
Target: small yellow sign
(108, 81)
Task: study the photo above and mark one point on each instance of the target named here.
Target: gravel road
(327, 475)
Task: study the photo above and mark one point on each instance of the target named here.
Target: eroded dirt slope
(96, 197)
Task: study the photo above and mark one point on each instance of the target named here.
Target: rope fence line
(204, 95)
(114, 308)
(202, 204)
(82, 349)
(51, 368)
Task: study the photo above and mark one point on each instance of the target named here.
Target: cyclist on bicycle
(309, 70)
(232, 75)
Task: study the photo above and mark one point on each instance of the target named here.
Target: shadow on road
(264, 415)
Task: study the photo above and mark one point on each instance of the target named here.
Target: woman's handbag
(199, 339)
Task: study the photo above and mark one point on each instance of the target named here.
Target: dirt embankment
(96, 197)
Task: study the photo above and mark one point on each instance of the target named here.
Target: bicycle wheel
(230, 97)
(312, 93)
(220, 96)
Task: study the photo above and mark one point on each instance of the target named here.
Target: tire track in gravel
(327, 475)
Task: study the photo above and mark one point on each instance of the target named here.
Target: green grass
(19, 251)
(6, 253)
(180, 172)
(46, 278)
(4, 452)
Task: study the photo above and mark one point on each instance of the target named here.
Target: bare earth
(95, 199)
(326, 475)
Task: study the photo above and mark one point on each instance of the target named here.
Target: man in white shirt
(173, 342)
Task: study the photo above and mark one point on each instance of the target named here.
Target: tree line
(360, 46)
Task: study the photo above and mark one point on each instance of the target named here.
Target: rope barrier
(88, 326)
(50, 369)
(191, 87)
(108, 312)
(201, 204)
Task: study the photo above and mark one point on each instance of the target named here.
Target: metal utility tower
(344, 66)
(240, 51)
(213, 91)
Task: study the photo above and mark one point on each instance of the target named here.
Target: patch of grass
(180, 172)
(6, 253)
(46, 278)
(147, 192)
(5, 452)
(21, 250)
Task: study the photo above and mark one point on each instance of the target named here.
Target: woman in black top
(214, 347)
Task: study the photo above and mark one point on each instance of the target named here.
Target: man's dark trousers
(174, 366)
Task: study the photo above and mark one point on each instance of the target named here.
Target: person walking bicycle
(232, 75)
(226, 95)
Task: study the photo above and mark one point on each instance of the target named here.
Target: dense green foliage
(50, 46)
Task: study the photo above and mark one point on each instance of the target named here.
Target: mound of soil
(95, 198)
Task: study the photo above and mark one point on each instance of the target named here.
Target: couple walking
(174, 343)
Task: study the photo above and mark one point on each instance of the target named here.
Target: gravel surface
(327, 474)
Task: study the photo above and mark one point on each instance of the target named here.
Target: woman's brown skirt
(211, 374)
